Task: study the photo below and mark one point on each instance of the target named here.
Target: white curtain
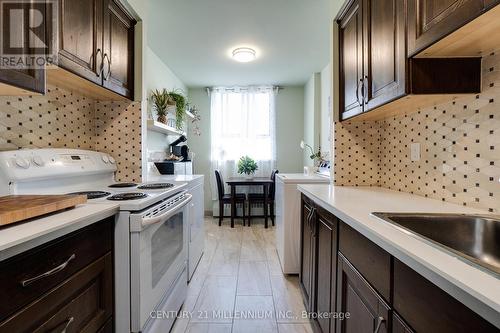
(243, 122)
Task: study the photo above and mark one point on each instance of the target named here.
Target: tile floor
(239, 287)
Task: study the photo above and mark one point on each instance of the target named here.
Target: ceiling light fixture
(244, 54)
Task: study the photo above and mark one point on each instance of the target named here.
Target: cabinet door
(327, 269)
(351, 61)
(118, 66)
(398, 325)
(431, 20)
(307, 246)
(80, 38)
(385, 60)
(368, 312)
(30, 78)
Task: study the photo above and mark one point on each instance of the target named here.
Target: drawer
(428, 308)
(50, 264)
(368, 258)
(83, 303)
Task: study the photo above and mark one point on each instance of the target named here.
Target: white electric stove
(150, 232)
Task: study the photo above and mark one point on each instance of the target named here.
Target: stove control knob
(112, 160)
(105, 159)
(38, 160)
(22, 162)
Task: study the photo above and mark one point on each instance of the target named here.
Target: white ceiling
(195, 37)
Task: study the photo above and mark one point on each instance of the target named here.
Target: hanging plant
(180, 104)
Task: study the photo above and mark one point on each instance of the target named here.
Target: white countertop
(20, 237)
(472, 286)
(297, 178)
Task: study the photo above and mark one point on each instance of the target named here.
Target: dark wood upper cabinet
(376, 73)
(15, 80)
(385, 49)
(368, 312)
(81, 37)
(118, 67)
(431, 20)
(327, 269)
(351, 60)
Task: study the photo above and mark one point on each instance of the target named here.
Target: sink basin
(475, 238)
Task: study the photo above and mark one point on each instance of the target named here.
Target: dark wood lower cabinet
(307, 253)
(345, 275)
(80, 301)
(367, 310)
(327, 274)
(427, 308)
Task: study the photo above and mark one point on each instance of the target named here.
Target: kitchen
(356, 143)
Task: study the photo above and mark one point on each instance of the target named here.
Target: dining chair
(225, 199)
(258, 198)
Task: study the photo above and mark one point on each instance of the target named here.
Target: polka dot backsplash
(118, 133)
(460, 148)
(62, 119)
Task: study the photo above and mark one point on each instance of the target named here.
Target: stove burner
(121, 185)
(128, 196)
(92, 194)
(155, 186)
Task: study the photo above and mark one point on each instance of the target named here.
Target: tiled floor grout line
(237, 281)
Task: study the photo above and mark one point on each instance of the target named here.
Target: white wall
(312, 115)
(289, 132)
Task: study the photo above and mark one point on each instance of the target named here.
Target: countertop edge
(57, 230)
(485, 307)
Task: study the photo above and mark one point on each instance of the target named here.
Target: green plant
(180, 103)
(247, 166)
(160, 100)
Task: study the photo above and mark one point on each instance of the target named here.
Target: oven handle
(147, 221)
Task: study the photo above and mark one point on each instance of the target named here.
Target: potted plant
(160, 99)
(247, 166)
(180, 107)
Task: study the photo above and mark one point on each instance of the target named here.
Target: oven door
(158, 254)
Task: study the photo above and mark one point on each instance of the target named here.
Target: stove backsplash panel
(63, 119)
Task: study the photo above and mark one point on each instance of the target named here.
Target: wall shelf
(156, 126)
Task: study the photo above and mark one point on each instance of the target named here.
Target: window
(243, 124)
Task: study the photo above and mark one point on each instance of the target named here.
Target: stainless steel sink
(475, 238)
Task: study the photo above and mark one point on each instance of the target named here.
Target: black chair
(225, 199)
(258, 198)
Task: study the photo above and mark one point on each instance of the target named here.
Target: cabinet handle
(311, 223)
(366, 88)
(361, 83)
(53, 271)
(68, 322)
(380, 320)
(99, 72)
(106, 77)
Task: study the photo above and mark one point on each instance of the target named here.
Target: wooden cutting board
(15, 208)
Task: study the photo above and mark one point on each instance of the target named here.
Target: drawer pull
(380, 320)
(68, 322)
(53, 271)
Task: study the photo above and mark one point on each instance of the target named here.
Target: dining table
(234, 182)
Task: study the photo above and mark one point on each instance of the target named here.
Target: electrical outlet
(415, 151)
